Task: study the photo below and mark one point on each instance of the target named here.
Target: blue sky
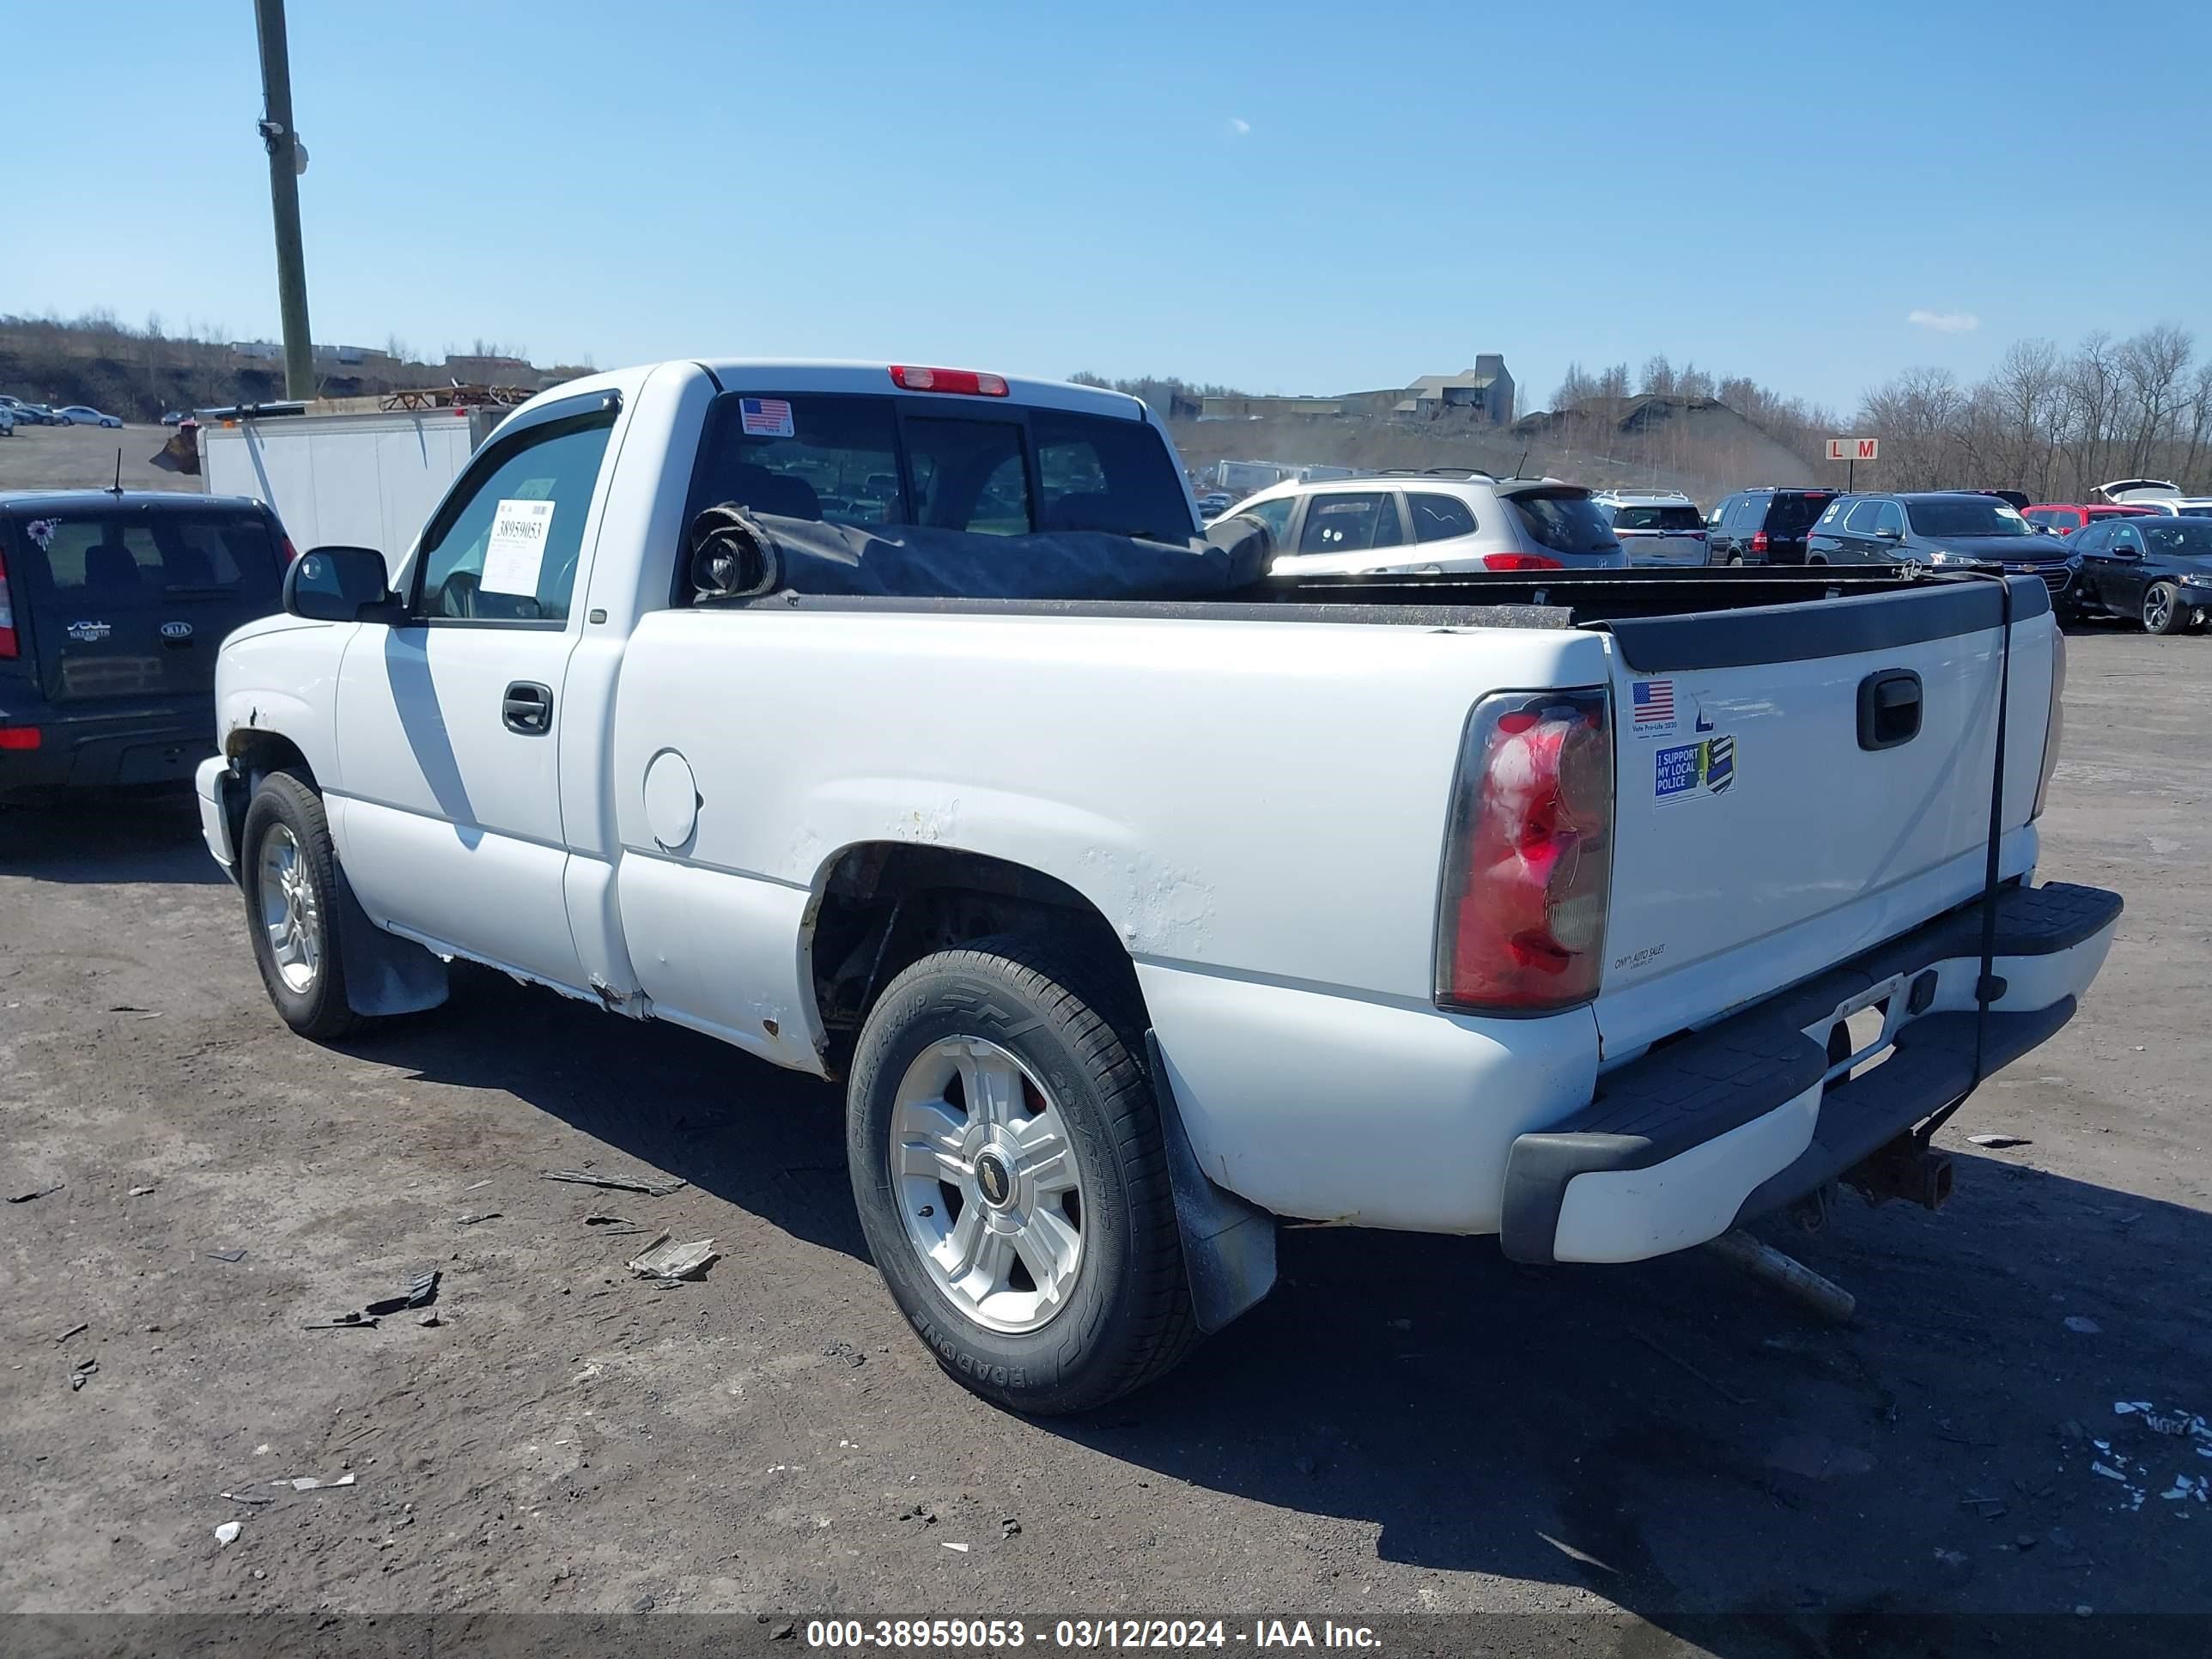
(1282, 196)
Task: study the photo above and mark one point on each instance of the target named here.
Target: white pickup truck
(1598, 911)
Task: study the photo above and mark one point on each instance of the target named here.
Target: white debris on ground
(2134, 1471)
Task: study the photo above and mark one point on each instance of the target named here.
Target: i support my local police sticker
(1687, 771)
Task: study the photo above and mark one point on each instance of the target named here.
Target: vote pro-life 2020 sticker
(1693, 771)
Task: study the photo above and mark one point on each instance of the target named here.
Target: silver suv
(1428, 523)
(1656, 526)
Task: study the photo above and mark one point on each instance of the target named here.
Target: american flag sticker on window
(1653, 703)
(765, 417)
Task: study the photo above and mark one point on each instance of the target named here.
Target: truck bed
(1551, 599)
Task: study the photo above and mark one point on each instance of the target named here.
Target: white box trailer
(367, 480)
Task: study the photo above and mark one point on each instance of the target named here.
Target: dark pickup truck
(112, 607)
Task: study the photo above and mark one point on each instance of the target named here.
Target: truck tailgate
(1761, 836)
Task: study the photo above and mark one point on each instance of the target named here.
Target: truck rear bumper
(1751, 1114)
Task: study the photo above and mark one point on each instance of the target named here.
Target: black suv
(1950, 529)
(112, 607)
(1765, 526)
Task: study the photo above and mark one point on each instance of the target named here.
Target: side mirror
(339, 584)
(1889, 532)
(2122, 553)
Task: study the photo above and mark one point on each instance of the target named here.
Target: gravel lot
(84, 457)
(1409, 1425)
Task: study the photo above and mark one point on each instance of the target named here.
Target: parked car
(1433, 522)
(2064, 518)
(2156, 569)
(1950, 530)
(79, 414)
(2145, 492)
(1214, 503)
(29, 414)
(7, 423)
(111, 610)
(2178, 507)
(173, 417)
(1096, 1033)
(1654, 526)
(1765, 526)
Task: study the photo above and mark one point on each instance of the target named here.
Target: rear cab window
(984, 466)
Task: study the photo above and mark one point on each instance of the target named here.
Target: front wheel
(1007, 1163)
(289, 874)
(2162, 610)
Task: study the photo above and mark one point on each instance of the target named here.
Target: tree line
(2053, 423)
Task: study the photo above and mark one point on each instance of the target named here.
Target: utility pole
(286, 160)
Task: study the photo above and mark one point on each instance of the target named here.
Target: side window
(506, 548)
(1344, 523)
(2095, 539)
(1440, 518)
(1864, 516)
(1834, 513)
(1276, 515)
(970, 475)
(2126, 538)
(1891, 518)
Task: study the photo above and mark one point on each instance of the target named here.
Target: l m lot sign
(1854, 449)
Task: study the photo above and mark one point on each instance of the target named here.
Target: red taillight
(1519, 562)
(19, 737)
(1529, 861)
(968, 381)
(6, 613)
(284, 547)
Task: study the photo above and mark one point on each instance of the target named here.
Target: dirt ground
(83, 457)
(1409, 1425)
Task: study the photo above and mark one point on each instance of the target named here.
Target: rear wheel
(2162, 610)
(1735, 559)
(1007, 1164)
(289, 874)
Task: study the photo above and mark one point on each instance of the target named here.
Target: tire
(2163, 612)
(1052, 1053)
(308, 989)
(1735, 560)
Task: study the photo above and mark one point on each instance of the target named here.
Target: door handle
(1889, 708)
(528, 709)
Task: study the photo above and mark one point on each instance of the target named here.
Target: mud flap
(1228, 1244)
(384, 973)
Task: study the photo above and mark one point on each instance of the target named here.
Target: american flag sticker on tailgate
(1653, 705)
(765, 417)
